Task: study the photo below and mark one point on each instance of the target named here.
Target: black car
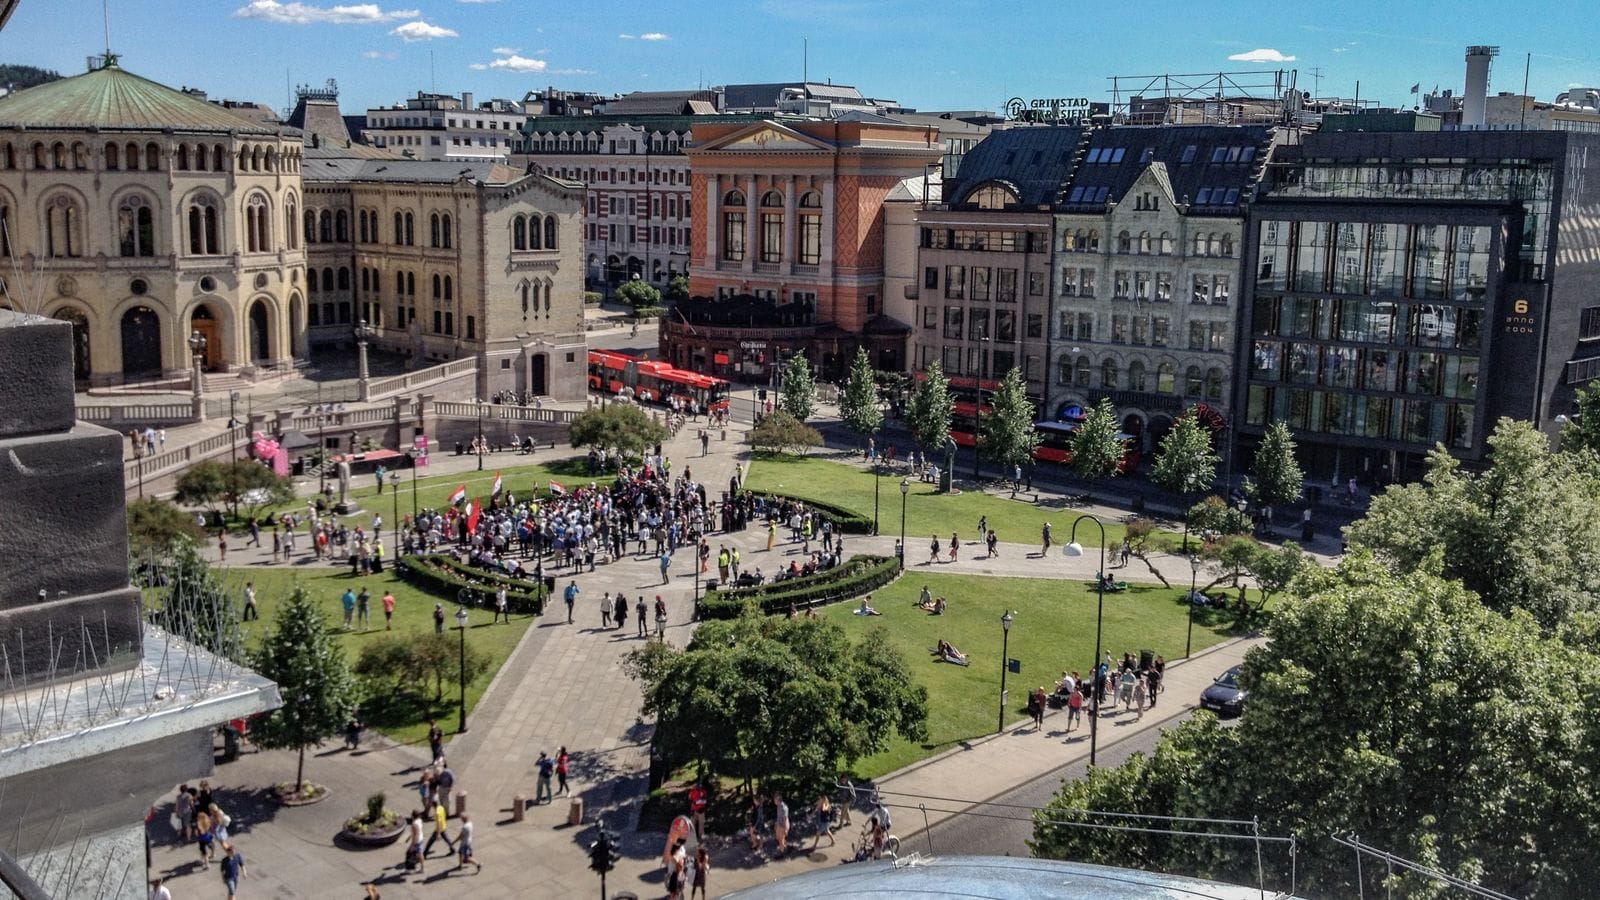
(1225, 696)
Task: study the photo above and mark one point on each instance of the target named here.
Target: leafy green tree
(678, 289)
(784, 433)
(18, 77)
(799, 398)
(156, 526)
(928, 413)
(1185, 462)
(1278, 475)
(1006, 432)
(620, 427)
(1275, 568)
(1523, 533)
(1214, 514)
(232, 483)
(186, 598)
(308, 665)
(639, 294)
(1395, 707)
(783, 703)
(1142, 541)
(1096, 446)
(858, 407)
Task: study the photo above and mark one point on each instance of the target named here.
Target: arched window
(1094, 240)
(255, 159)
(8, 155)
(272, 160)
(152, 157)
(1227, 244)
(361, 225)
(1124, 242)
(449, 231)
(449, 288)
(992, 196)
(80, 157)
(325, 226)
(1166, 244)
(136, 227)
(535, 233)
(1212, 245)
(1200, 244)
(257, 233)
(1136, 380)
(63, 227)
(771, 227)
(244, 159)
(1144, 242)
(311, 226)
(550, 232)
(1193, 382)
(58, 156)
(203, 230)
(1213, 384)
(400, 284)
(434, 231)
(217, 156)
(399, 228)
(1165, 377)
(341, 227)
(810, 228)
(411, 234)
(1108, 374)
(201, 155)
(366, 281)
(411, 284)
(733, 226)
(311, 281)
(113, 157)
(438, 285)
(183, 157)
(1081, 372)
(519, 233)
(327, 278)
(5, 232)
(344, 278)
(524, 299)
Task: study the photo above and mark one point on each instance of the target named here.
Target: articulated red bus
(655, 382)
(1055, 438)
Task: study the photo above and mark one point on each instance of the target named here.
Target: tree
(928, 413)
(155, 526)
(799, 397)
(1185, 462)
(1275, 568)
(784, 703)
(1213, 514)
(187, 599)
(231, 483)
(1006, 432)
(620, 427)
(858, 407)
(20, 77)
(1395, 707)
(678, 289)
(1523, 533)
(784, 433)
(639, 294)
(308, 665)
(1278, 475)
(1141, 536)
(1097, 444)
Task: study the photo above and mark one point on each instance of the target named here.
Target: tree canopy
(784, 433)
(1277, 472)
(799, 397)
(1392, 706)
(779, 703)
(1006, 432)
(233, 483)
(858, 406)
(1097, 446)
(622, 427)
(928, 412)
(678, 289)
(308, 665)
(1185, 462)
(156, 526)
(639, 294)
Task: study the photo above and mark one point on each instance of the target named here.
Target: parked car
(1226, 696)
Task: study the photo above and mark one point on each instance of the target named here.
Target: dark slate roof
(418, 171)
(322, 118)
(1033, 161)
(765, 96)
(667, 103)
(1213, 168)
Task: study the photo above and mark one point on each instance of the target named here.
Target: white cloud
(419, 30)
(306, 14)
(506, 51)
(1263, 55)
(1340, 49)
(379, 54)
(570, 72)
(627, 37)
(513, 63)
(653, 36)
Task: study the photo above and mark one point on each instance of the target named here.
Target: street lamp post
(1194, 575)
(483, 407)
(363, 333)
(1005, 644)
(233, 424)
(1074, 548)
(461, 624)
(414, 488)
(322, 445)
(877, 472)
(905, 490)
(197, 351)
(394, 494)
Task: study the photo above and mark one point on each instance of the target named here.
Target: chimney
(1472, 103)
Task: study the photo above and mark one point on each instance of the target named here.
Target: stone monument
(347, 504)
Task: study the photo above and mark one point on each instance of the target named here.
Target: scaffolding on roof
(1212, 98)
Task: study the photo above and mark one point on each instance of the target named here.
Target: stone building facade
(141, 215)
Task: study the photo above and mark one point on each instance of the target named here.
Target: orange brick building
(787, 244)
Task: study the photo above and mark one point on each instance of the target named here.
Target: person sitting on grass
(866, 607)
(948, 652)
(1107, 583)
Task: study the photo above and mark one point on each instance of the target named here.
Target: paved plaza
(564, 685)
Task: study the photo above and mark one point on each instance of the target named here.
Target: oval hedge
(445, 576)
(855, 577)
(845, 521)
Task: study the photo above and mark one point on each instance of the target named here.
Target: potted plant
(379, 826)
(307, 793)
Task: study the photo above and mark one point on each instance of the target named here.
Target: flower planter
(309, 793)
(374, 838)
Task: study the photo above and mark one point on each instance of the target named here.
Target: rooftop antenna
(1316, 81)
(1527, 69)
(105, 17)
(805, 60)
(432, 88)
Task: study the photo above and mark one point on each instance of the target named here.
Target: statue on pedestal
(346, 505)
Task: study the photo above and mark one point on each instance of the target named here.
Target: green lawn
(927, 511)
(413, 614)
(1053, 630)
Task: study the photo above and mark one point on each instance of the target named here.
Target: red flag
(495, 491)
(474, 511)
(458, 495)
(556, 489)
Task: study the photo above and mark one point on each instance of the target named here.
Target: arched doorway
(538, 374)
(141, 343)
(635, 268)
(1133, 427)
(260, 346)
(297, 326)
(203, 321)
(80, 340)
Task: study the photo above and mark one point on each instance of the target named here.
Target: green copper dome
(113, 99)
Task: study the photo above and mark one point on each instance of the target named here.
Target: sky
(930, 54)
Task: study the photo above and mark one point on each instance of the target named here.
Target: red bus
(655, 382)
(1055, 445)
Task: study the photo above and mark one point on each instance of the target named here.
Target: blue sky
(931, 54)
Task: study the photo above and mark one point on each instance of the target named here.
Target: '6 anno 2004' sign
(1047, 109)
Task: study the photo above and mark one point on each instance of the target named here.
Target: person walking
(1127, 551)
(250, 611)
(232, 869)
(388, 610)
(772, 534)
(666, 563)
(561, 772)
(441, 818)
(435, 740)
(754, 817)
(933, 551)
(364, 609)
(620, 614)
(955, 546)
(1074, 707)
(780, 823)
(571, 596)
(1139, 694)
(702, 865)
(640, 610)
(502, 610)
(348, 601)
(438, 618)
(546, 767)
(203, 838)
(464, 845)
(824, 815)
(222, 545)
(605, 610)
(414, 857)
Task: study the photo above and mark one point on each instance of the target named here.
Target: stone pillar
(425, 417)
(752, 231)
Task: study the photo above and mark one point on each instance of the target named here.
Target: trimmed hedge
(445, 576)
(591, 298)
(648, 312)
(844, 521)
(854, 577)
